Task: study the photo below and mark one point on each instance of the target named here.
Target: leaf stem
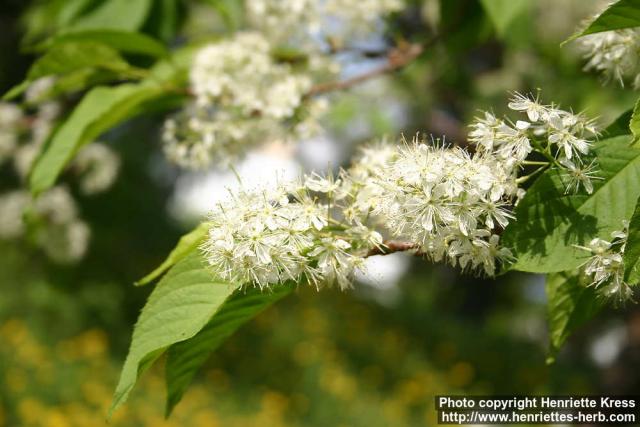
(534, 163)
(525, 178)
(543, 151)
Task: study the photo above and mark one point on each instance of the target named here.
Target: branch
(392, 246)
(397, 58)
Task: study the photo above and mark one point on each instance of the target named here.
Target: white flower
(561, 133)
(26, 141)
(309, 214)
(10, 115)
(57, 206)
(98, 166)
(39, 89)
(52, 222)
(579, 175)
(335, 264)
(306, 21)
(605, 267)
(244, 97)
(492, 135)
(365, 234)
(447, 202)
(614, 54)
(65, 243)
(515, 144)
(241, 73)
(12, 209)
(551, 130)
(257, 240)
(23, 159)
(315, 182)
(10, 120)
(535, 111)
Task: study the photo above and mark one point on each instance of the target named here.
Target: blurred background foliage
(375, 356)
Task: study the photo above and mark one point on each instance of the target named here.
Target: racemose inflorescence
(442, 202)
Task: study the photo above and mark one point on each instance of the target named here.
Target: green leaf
(76, 81)
(634, 123)
(177, 309)
(621, 14)
(74, 58)
(185, 358)
(165, 19)
(619, 126)
(71, 10)
(123, 41)
(456, 14)
(67, 57)
(549, 222)
(99, 110)
(503, 13)
(186, 244)
(16, 90)
(632, 249)
(569, 306)
(126, 15)
(231, 11)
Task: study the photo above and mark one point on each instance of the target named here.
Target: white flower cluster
(22, 138)
(243, 97)
(287, 21)
(560, 135)
(448, 202)
(443, 202)
(605, 268)
(266, 238)
(98, 166)
(241, 73)
(248, 92)
(34, 136)
(615, 54)
(360, 182)
(51, 221)
(10, 123)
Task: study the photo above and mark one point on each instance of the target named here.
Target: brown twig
(392, 246)
(397, 58)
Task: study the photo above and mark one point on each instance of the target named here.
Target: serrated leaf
(177, 309)
(123, 41)
(621, 14)
(549, 223)
(185, 358)
(569, 306)
(99, 110)
(620, 126)
(503, 12)
(634, 123)
(632, 249)
(186, 244)
(127, 15)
